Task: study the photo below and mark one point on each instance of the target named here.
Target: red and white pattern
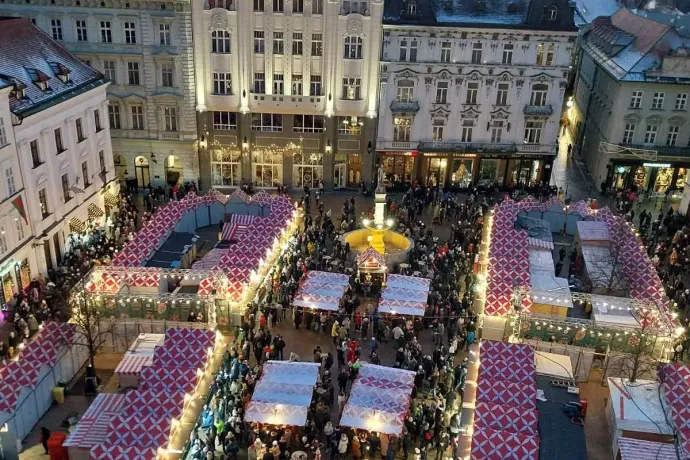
(120, 452)
(21, 373)
(132, 364)
(488, 444)
(491, 350)
(193, 356)
(327, 278)
(379, 399)
(93, 425)
(516, 420)
(168, 379)
(154, 404)
(203, 338)
(507, 370)
(413, 295)
(317, 301)
(229, 231)
(135, 430)
(510, 393)
(637, 449)
(210, 260)
(9, 394)
(677, 393)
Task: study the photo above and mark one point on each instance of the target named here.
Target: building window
(307, 169)
(170, 118)
(316, 6)
(224, 121)
(80, 130)
(533, 132)
(110, 71)
(258, 5)
(106, 32)
(9, 180)
(64, 180)
(267, 122)
(3, 133)
(636, 100)
(298, 6)
(507, 53)
(502, 94)
(43, 201)
(472, 91)
(278, 6)
(350, 126)
(296, 85)
(446, 50)
(545, 54)
(477, 53)
(268, 168)
(20, 229)
(681, 101)
(101, 160)
(97, 120)
(539, 94)
(85, 173)
(259, 45)
(354, 6)
(437, 130)
(552, 13)
(672, 136)
(403, 50)
(315, 85)
(442, 92)
(220, 41)
(130, 33)
(259, 83)
(56, 28)
(308, 124)
(86, 61)
(59, 146)
(408, 50)
(222, 83)
(353, 47)
(496, 131)
(402, 126)
(658, 100)
(405, 91)
(167, 74)
(138, 117)
(466, 133)
(133, 73)
(297, 44)
(278, 84)
(114, 116)
(352, 88)
(164, 34)
(226, 166)
(316, 44)
(80, 26)
(278, 43)
(3, 240)
(628, 133)
(650, 134)
(35, 154)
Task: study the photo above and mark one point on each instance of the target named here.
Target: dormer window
(18, 93)
(552, 13)
(38, 78)
(60, 71)
(412, 9)
(43, 85)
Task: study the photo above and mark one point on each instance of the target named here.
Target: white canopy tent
(408, 282)
(404, 295)
(321, 290)
(553, 365)
(541, 262)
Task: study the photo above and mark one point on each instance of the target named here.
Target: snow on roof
(29, 57)
(587, 11)
(592, 230)
(635, 404)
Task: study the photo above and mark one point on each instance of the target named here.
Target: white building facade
(55, 152)
(145, 49)
(468, 99)
(286, 91)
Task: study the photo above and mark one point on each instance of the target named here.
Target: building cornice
(174, 6)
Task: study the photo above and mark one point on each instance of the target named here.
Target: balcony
(404, 106)
(478, 147)
(543, 110)
(396, 145)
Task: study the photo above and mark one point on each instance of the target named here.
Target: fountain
(377, 234)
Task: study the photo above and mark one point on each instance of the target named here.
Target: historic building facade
(56, 158)
(145, 49)
(472, 98)
(286, 91)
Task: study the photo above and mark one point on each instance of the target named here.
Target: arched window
(353, 47)
(552, 13)
(220, 41)
(412, 9)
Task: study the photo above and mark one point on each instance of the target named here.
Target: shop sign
(656, 165)
(396, 153)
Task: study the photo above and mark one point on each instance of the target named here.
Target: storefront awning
(76, 225)
(94, 211)
(110, 200)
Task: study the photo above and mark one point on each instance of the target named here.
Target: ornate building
(286, 91)
(472, 92)
(145, 49)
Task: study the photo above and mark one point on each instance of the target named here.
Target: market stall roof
(93, 425)
(414, 295)
(379, 399)
(408, 282)
(541, 262)
(613, 311)
(553, 365)
(283, 394)
(676, 378)
(637, 449)
(371, 261)
(140, 354)
(402, 307)
(550, 290)
(488, 444)
(637, 407)
(516, 420)
(321, 302)
(593, 231)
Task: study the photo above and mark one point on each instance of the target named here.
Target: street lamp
(245, 143)
(328, 146)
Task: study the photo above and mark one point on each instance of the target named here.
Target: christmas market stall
(404, 295)
(379, 399)
(283, 394)
(139, 355)
(321, 290)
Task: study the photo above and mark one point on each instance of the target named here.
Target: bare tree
(93, 326)
(605, 267)
(639, 362)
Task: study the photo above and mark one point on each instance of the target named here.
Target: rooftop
(519, 14)
(35, 65)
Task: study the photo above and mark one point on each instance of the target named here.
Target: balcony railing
(396, 145)
(661, 150)
(538, 109)
(405, 106)
(478, 147)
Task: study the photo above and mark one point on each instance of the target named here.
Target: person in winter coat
(342, 445)
(356, 448)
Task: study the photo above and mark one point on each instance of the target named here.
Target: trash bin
(59, 394)
(55, 448)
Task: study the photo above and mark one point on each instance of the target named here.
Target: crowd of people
(431, 346)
